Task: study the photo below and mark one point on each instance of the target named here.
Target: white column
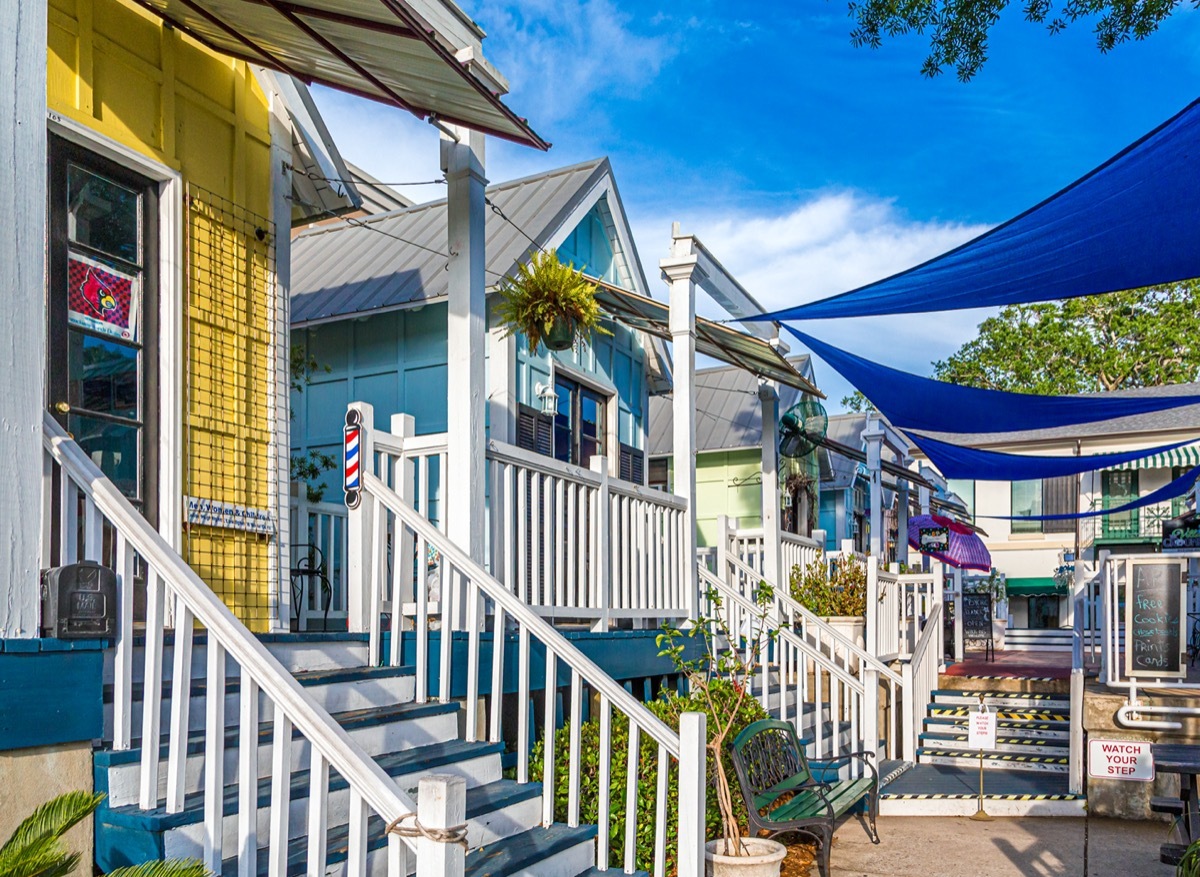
(465, 327)
(873, 436)
(502, 386)
(693, 772)
(23, 330)
(680, 271)
(902, 518)
(441, 805)
(769, 397)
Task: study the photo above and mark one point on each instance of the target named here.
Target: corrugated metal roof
(424, 56)
(387, 261)
(1186, 417)
(728, 412)
(376, 197)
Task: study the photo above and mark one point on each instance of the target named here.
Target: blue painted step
(306, 678)
(349, 719)
(480, 801)
(524, 851)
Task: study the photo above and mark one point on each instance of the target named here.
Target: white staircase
(286, 755)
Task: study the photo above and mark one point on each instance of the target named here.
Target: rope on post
(454, 835)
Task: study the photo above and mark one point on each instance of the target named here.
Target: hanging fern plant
(549, 302)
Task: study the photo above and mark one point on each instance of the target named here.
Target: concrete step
(992, 760)
(943, 790)
(378, 731)
(1002, 682)
(1008, 700)
(336, 690)
(1033, 714)
(182, 834)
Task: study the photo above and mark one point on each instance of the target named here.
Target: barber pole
(353, 446)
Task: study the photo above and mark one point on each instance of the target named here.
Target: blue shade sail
(1129, 223)
(913, 402)
(1178, 487)
(956, 461)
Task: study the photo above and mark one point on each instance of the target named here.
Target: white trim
(171, 291)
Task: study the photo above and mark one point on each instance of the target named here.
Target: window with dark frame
(1047, 496)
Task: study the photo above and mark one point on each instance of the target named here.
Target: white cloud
(830, 243)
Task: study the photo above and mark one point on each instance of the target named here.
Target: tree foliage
(958, 29)
(1117, 341)
(856, 401)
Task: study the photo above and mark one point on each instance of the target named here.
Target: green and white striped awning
(1187, 456)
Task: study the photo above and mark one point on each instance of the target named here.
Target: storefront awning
(712, 339)
(1185, 457)
(422, 56)
(1044, 586)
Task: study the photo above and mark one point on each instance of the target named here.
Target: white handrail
(260, 670)
(920, 673)
(465, 587)
(795, 608)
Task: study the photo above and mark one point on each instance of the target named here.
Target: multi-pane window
(579, 423)
(1049, 496)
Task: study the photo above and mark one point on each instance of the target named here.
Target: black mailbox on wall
(79, 601)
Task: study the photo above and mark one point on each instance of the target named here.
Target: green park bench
(785, 793)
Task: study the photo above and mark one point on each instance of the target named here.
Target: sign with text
(977, 616)
(1181, 534)
(981, 730)
(934, 538)
(1154, 620)
(1120, 760)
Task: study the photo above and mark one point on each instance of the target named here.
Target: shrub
(668, 708)
(831, 589)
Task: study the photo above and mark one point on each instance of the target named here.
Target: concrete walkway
(915, 846)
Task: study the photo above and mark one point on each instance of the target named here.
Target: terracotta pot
(764, 860)
(561, 335)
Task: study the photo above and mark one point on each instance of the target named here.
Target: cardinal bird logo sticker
(102, 298)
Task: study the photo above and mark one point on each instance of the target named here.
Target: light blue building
(369, 307)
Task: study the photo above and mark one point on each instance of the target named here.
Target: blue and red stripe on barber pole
(353, 437)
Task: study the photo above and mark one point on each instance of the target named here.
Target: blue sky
(808, 166)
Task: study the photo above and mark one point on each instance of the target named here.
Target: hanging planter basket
(549, 303)
(561, 335)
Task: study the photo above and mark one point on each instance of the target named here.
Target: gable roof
(376, 197)
(729, 415)
(384, 262)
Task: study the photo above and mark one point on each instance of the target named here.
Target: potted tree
(732, 854)
(549, 303)
(835, 592)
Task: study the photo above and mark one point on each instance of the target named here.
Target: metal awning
(1185, 457)
(1035, 586)
(423, 56)
(712, 339)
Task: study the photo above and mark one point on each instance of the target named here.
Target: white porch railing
(87, 504)
(797, 677)
(318, 569)
(467, 593)
(748, 545)
(835, 653)
(920, 674)
(577, 543)
(898, 606)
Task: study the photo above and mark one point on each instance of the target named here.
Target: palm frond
(161, 868)
(52, 819)
(44, 857)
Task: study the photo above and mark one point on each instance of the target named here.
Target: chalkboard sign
(977, 619)
(1154, 621)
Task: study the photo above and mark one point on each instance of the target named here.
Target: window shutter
(632, 465)
(1059, 498)
(534, 432)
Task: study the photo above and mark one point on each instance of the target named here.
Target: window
(658, 473)
(1050, 496)
(964, 489)
(579, 423)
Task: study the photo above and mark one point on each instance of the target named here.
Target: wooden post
(441, 805)
(693, 784)
(602, 541)
(723, 539)
(23, 332)
(902, 518)
(871, 632)
(359, 532)
(463, 162)
(910, 711)
(680, 270)
(873, 436)
(403, 586)
(958, 615)
(870, 709)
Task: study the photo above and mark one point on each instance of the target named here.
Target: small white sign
(1120, 760)
(981, 730)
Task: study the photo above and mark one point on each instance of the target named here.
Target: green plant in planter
(549, 302)
(1189, 865)
(831, 590)
(36, 850)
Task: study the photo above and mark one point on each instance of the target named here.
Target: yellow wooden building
(180, 153)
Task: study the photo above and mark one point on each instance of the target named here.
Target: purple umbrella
(948, 541)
